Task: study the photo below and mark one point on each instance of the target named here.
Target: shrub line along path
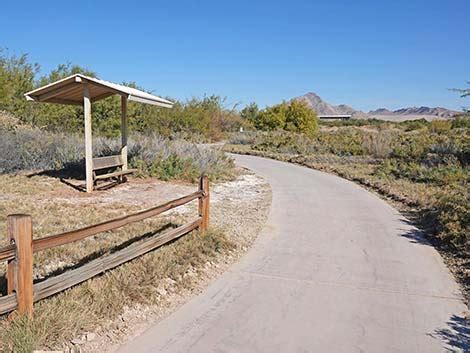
(335, 269)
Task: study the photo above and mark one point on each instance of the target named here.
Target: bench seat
(114, 174)
(109, 162)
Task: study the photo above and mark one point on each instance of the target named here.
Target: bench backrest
(107, 162)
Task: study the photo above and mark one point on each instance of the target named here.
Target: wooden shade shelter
(83, 90)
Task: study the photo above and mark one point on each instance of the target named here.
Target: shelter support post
(88, 138)
(124, 132)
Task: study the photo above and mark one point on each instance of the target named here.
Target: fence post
(20, 270)
(204, 202)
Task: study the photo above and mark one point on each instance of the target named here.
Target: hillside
(414, 113)
(323, 108)
(411, 113)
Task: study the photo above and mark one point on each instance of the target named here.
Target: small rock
(90, 336)
(162, 291)
(170, 281)
(77, 341)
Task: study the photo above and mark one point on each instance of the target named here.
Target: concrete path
(335, 270)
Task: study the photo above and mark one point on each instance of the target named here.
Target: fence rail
(21, 293)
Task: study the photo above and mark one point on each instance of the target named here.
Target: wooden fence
(22, 293)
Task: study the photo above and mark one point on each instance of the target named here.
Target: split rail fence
(22, 293)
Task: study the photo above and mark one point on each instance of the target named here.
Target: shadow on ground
(456, 336)
(73, 175)
(415, 236)
(95, 255)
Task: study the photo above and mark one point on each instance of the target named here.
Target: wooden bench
(109, 163)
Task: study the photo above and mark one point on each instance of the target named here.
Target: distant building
(335, 117)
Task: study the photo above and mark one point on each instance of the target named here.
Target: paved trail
(335, 270)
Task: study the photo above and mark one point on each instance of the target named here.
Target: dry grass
(33, 149)
(143, 281)
(53, 214)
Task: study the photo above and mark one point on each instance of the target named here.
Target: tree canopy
(208, 117)
(293, 116)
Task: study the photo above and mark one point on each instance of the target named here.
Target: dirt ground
(238, 207)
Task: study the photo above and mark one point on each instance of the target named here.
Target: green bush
(411, 147)
(284, 142)
(250, 112)
(174, 167)
(453, 213)
(207, 118)
(343, 142)
(410, 125)
(301, 118)
(461, 122)
(440, 126)
(294, 116)
(272, 118)
(355, 122)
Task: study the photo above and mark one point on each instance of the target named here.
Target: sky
(364, 53)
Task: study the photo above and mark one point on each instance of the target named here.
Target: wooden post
(20, 270)
(204, 202)
(124, 132)
(88, 138)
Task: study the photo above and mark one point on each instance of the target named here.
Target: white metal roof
(69, 90)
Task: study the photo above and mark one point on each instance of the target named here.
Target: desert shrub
(450, 210)
(378, 144)
(294, 116)
(301, 118)
(354, 122)
(453, 214)
(207, 117)
(461, 122)
(16, 77)
(271, 118)
(250, 112)
(284, 142)
(343, 142)
(34, 149)
(406, 125)
(410, 125)
(244, 138)
(440, 126)
(443, 175)
(411, 147)
(8, 121)
(453, 149)
(174, 167)
(177, 159)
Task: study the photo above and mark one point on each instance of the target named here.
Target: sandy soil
(240, 207)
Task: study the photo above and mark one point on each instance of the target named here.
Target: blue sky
(365, 53)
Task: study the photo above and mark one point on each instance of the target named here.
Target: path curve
(336, 269)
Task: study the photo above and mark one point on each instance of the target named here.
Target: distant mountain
(425, 111)
(323, 108)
